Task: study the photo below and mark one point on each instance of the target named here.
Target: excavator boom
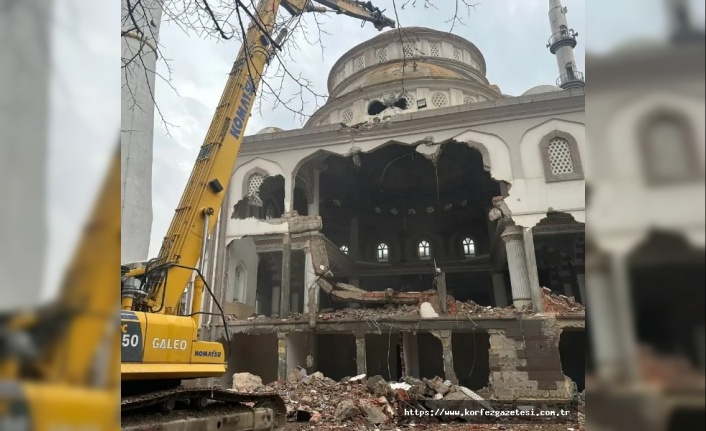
(209, 180)
(160, 345)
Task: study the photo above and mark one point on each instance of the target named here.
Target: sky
(85, 89)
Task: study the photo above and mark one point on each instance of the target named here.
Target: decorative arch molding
(574, 156)
(242, 174)
(627, 125)
(249, 175)
(531, 142)
(304, 178)
(495, 152)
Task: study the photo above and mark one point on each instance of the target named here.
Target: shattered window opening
(383, 252)
(469, 247)
(424, 250)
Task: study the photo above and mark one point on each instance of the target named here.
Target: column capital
(512, 233)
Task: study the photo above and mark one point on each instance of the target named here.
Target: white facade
(533, 146)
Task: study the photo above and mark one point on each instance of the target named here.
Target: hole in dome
(376, 107)
(401, 103)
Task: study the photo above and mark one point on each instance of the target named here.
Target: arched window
(383, 253)
(560, 157)
(469, 247)
(424, 250)
(344, 249)
(667, 143)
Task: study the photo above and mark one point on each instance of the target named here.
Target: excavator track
(208, 408)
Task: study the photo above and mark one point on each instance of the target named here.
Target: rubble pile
(671, 373)
(369, 402)
(560, 304)
(552, 302)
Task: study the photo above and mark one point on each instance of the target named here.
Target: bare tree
(225, 20)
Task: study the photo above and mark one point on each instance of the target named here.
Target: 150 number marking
(131, 340)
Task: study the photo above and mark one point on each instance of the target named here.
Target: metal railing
(562, 35)
(565, 78)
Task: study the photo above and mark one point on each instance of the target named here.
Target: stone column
(581, 280)
(411, 353)
(531, 258)
(281, 357)
(445, 337)
(499, 289)
(624, 316)
(284, 308)
(517, 263)
(360, 359)
(309, 281)
(603, 320)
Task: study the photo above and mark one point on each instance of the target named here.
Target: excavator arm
(165, 277)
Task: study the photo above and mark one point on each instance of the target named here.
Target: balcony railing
(564, 37)
(573, 79)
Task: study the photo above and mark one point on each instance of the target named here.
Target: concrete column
(602, 319)
(568, 290)
(531, 257)
(581, 280)
(623, 302)
(309, 281)
(517, 263)
(411, 353)
(285, 293)
(281, 356)
(275, 300)
(360, 359)
(445, 337)
(499, 292)
(354, 247)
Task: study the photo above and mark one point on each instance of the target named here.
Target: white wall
(242, 252)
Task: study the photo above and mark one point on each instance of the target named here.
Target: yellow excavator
(159, 345)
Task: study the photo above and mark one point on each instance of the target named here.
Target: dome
(269, 130)
(541, 89)
(429, 69)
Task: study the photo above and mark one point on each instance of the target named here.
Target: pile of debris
(670, 373)
(425, 305)
(365, 402)
(561, 304)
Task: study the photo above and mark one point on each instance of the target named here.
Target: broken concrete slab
(246, 382)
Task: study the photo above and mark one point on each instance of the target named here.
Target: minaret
(562, 43)
(140, 30)
(681, 27)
